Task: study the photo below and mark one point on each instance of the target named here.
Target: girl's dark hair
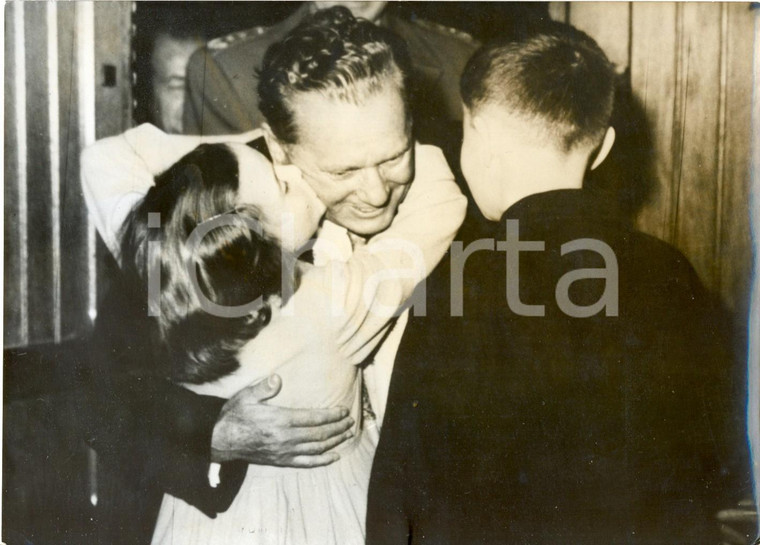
(233, 263)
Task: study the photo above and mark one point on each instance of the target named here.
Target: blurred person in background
(168, 63)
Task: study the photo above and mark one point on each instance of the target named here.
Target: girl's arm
(426, 222)
(118, 171)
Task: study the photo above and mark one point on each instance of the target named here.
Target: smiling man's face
(359, 159)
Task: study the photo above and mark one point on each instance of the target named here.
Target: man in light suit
(346, 127)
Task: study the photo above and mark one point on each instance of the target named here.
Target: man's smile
(369, 211)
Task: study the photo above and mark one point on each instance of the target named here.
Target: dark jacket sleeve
(151, 432)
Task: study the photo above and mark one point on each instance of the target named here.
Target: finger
(304, 418)
(262, 390)
(316, 434)
(320, 447)
(314, 461)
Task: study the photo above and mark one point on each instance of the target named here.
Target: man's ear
(276, 148)
(604, 149)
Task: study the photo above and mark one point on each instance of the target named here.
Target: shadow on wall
(627, 176)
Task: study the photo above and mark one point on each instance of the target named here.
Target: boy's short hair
(557, 76)
(331, 52)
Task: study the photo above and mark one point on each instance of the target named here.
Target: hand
(252, 431)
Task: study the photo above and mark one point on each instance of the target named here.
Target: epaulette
(445, 30)
(223, 42)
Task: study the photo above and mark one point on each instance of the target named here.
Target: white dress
(289, 506)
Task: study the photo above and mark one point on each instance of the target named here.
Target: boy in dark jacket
(570, 382)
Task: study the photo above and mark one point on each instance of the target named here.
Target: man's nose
(374, 190)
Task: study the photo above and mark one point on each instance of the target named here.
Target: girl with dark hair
(212, 246)
(235, 263)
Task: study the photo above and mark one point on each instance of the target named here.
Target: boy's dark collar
(561, 205)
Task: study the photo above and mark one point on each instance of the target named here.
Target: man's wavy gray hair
(333, 53)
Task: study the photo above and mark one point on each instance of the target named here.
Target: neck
(549, 172)
(559, 172)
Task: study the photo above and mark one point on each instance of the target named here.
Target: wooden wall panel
(609, 24)
(653, 80)
(113, 106)
(38, 198)
(74, 278)
(696, 164)
(753, 380)
(735, 245)
(14, 330)
(112, 36)
(51, 259)
(690, 69)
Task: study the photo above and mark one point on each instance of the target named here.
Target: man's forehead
(341, 98)
(331, 155)
(342, 135)
(353, 88)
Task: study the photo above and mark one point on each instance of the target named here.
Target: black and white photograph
(382, 273)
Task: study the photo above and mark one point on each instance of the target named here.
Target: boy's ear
(276, 148)
(604, 149)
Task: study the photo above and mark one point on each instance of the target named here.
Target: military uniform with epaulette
(222, 77)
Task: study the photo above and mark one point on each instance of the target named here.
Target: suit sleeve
(153, 433)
